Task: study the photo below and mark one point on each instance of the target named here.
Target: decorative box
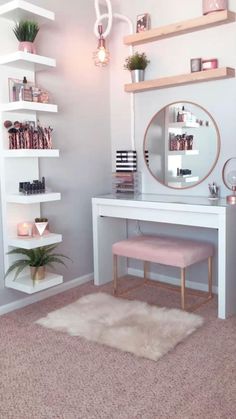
(210, 6)
(209, 64)
(126, 161)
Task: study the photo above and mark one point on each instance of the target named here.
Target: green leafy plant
(26, 30)
(41, 256)
(136, 61)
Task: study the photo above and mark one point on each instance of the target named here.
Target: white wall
(81, 128)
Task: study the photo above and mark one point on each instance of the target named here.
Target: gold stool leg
(210, 277)
(145, 272)
(114, 274)
(183, 274)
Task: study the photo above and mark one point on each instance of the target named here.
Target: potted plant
(26, 32)
(37, 259)
(137, 64)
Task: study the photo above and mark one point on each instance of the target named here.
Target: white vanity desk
(109, 225)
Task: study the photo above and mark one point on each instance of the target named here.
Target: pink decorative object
(209, 64)
(41, 227)
(210, 6)
(27, 47)
(24, 229)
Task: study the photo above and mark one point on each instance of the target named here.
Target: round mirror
(181, 145)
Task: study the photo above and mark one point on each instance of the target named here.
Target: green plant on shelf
(36, 259)
(137, 61)
(26, 30)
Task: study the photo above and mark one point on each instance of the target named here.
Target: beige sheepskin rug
(132, 326)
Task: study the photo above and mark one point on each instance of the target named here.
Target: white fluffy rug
(131, 326)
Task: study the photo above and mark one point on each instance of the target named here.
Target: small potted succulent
(137, 64)
(37, 259)
(26, 32)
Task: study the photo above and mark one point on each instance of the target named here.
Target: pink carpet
(47, 374)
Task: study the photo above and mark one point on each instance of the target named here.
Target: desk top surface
(170, 199)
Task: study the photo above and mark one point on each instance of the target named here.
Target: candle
(24, 229)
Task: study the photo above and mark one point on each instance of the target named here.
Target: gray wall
(81, 130)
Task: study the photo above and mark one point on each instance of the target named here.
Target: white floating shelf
(25, 283)
(30, 153)
(26, 61)
(183, 153)
(24, 106)
(33, 199)
(34, 242)
(22, 10)
(184, 125)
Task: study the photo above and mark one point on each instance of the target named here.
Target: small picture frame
(143, 22)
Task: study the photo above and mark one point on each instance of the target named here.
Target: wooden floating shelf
(33, 199)
(172, 81)
(180, 28)
(26, 61)
(23, 106)
(34, 242)
(22, 10)
(25, 283)
(30, 153)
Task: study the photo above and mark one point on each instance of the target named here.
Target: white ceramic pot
(209, 6)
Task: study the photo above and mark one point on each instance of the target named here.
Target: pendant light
(101, 55)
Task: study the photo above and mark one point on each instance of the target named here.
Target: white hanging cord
(109, 16)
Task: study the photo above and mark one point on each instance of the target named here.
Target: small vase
(137, 76)
(27, 47)
(41, 227)
(37, 274)
(209, 6)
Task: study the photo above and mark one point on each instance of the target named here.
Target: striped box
(126, 161)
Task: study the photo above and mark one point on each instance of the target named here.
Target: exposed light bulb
(101, 55)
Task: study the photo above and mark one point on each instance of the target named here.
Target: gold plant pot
(37, 274)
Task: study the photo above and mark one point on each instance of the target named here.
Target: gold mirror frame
(217, 139)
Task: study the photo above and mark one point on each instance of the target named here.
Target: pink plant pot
(27, 47)
(210, 6)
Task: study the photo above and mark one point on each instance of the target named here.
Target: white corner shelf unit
(30, 153)
(19, 9)
(23, 106)
(23, 164)
(26, 61)
(34, 242)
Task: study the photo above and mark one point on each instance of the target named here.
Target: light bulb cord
(109, 16)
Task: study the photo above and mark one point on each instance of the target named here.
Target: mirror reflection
(181, 145)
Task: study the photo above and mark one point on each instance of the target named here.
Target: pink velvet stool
(169, 251)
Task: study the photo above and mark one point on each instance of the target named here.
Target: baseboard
(171, 280)
(7, 308)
